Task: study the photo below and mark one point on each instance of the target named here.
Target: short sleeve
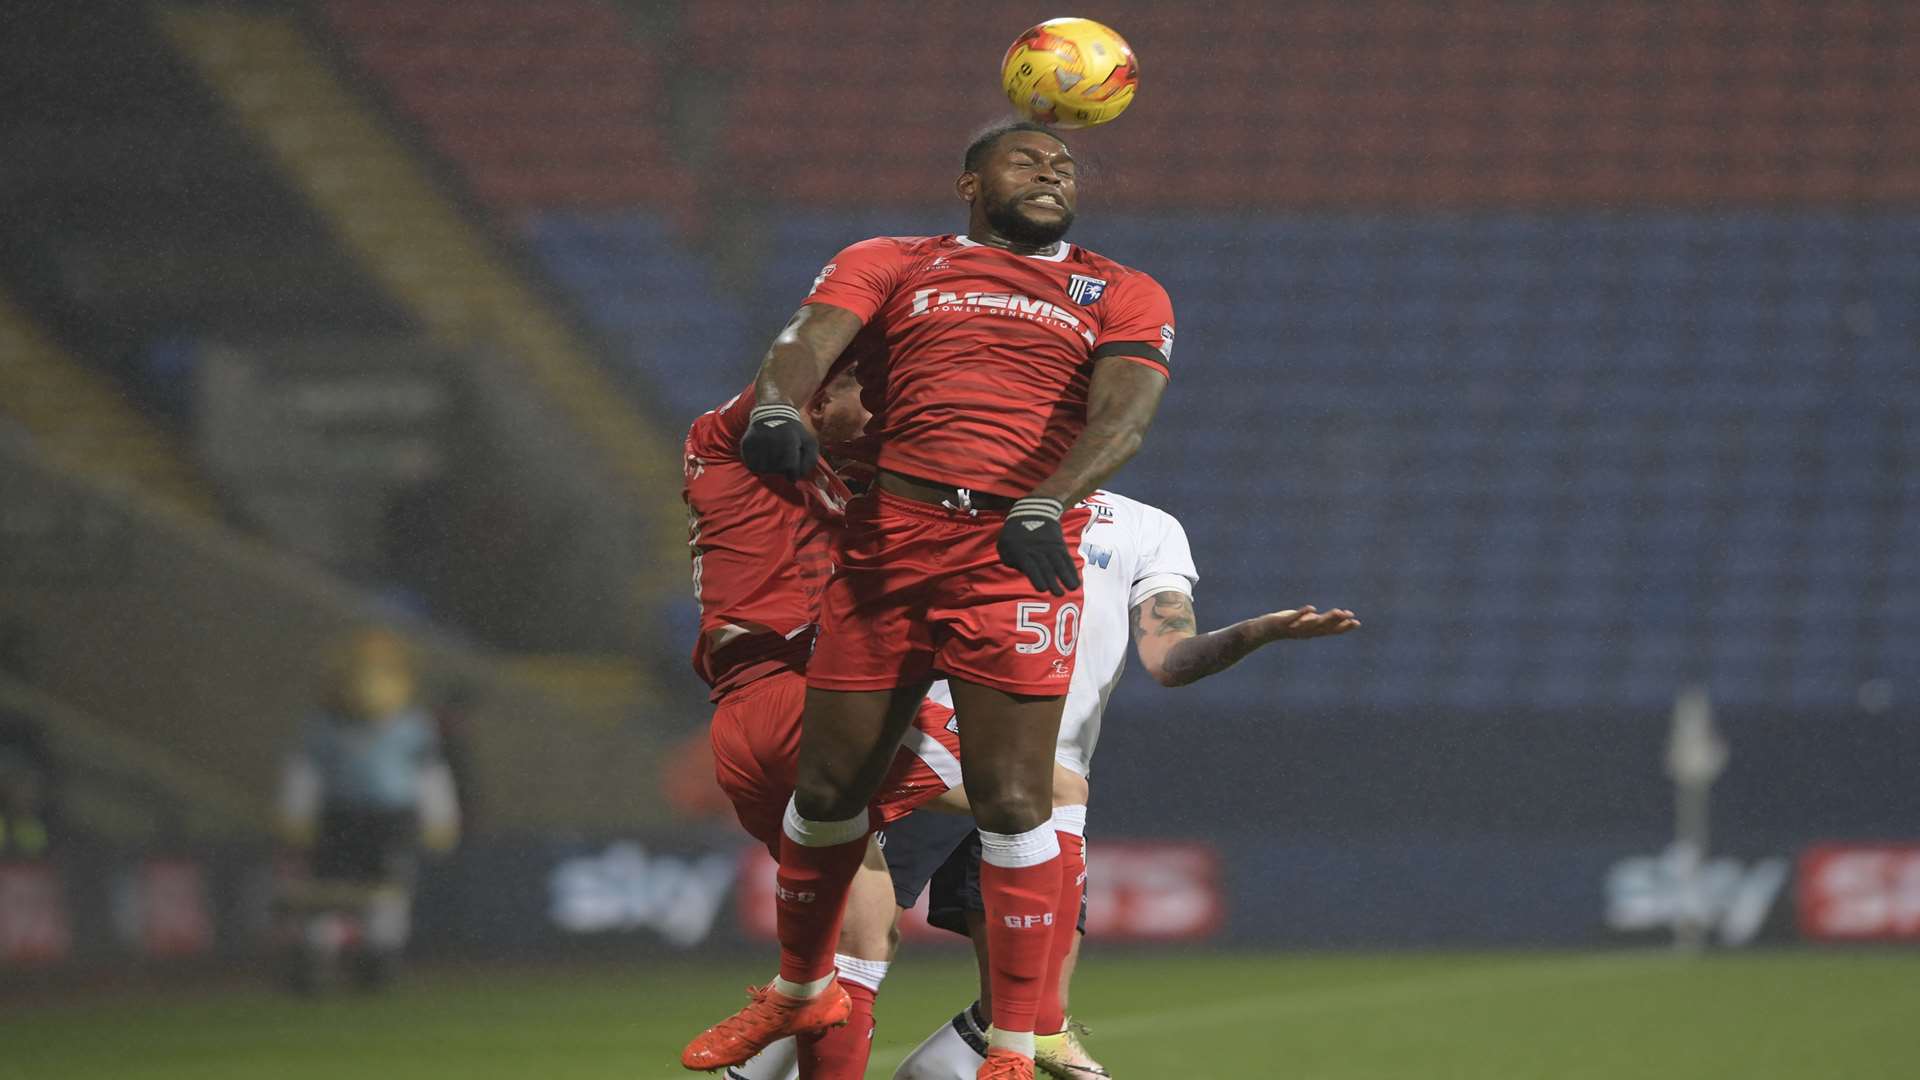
(715, 436)
(1137, 323)
(1166, 563)
(860, 278)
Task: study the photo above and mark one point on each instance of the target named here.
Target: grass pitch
(1155, 1016)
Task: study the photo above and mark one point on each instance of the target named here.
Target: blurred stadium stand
(203, 189)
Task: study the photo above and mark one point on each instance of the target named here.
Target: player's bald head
(984, 143)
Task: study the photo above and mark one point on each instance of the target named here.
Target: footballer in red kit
(761, 557)
(1009, 373)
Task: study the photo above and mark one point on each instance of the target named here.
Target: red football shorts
(756, 748)
(920, 589)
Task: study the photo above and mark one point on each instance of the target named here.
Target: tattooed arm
(1175, 653)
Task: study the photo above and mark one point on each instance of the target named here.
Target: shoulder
(865, 270)
(1139, 528)
(719, 430)
(1086, 260)
(892, 247)
(1114, 506)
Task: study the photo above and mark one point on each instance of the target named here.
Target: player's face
(838, 416)
(1027, 188)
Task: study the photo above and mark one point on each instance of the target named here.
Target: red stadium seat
(1552, 102)
(549, 104)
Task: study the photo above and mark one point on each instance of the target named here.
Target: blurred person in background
(365, 785)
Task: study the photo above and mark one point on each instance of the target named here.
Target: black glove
(777, 443)
(1032, 543)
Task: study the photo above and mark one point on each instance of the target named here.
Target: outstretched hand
(1303, 622)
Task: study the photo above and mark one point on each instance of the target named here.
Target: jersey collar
(1058, 256)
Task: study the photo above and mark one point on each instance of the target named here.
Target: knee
(1013, 808)
(825, 801)
(819, 794)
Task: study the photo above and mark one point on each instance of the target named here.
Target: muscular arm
(802, 353)
(1175, 653)
(1120, 404)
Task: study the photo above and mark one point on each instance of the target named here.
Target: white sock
(1071, 819)
(1020, 1042)
(1015, 850)
(801, 990)
(779, 1061)
(809, 833)
(954, 1052)
(867, 973)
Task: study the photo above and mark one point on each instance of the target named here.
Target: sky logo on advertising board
(624, 888)
(1860, 892)
(1656, 892)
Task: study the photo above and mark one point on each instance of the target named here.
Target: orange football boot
(769, 1017)
(1005, 1065)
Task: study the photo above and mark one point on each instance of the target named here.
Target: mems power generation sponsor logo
(926, 301)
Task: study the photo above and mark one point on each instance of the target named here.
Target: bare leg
(847, 742)
(870, 929)
(1006, 755)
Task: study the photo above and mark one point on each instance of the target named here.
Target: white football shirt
(1128, 552)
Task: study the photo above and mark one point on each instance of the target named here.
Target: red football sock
(1020, 901)
(841, 1053)
(812, 893)
(1052, 1016)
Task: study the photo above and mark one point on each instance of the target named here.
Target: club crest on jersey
(1084, 290)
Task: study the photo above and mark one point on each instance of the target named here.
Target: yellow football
(1070, 73)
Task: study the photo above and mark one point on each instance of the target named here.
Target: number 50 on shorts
(1045, 627)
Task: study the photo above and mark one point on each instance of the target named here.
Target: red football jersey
(760, 554)
(976, 361)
